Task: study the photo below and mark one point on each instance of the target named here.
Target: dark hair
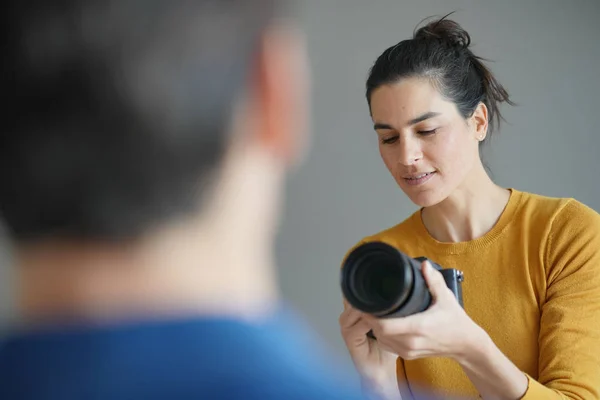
(116, 112)
(440, 52)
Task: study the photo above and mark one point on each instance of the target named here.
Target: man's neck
(470, 212)
(218, 262)
(178, 274)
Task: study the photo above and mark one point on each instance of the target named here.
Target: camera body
(380, 280)
(452, 277)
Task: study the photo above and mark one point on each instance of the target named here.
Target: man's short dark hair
(117, 112)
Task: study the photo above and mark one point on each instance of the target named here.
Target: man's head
(122, 116)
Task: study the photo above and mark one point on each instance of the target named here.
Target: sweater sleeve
(402, 381)
(569, 338)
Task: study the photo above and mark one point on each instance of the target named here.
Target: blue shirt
(195, 358)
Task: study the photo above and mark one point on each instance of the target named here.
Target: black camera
(380, 280)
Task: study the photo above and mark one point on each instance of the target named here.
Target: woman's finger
(349, 318)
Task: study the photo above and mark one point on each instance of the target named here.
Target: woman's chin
(425, 198)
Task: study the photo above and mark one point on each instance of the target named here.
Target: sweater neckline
(505, 219)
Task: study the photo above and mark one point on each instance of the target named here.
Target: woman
(530, 327)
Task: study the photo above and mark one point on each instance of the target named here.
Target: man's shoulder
(202, 358)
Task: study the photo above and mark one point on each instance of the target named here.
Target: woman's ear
(479, 121)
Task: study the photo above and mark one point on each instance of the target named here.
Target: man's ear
(279, 93)
(479, 121)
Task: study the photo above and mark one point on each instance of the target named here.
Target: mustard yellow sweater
(533, 283)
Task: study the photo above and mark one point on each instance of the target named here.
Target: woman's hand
(443, 330)
(376, 366)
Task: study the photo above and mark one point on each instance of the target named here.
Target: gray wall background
(546, 54)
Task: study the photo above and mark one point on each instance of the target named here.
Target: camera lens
(378, 282)
(377, 278)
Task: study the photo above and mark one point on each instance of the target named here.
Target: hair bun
(445, 30)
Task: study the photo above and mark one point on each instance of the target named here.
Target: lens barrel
(378, 279)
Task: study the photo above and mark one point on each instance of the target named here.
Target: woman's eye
(429, 132)
(389, 140)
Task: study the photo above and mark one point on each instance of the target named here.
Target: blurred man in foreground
(142, 163)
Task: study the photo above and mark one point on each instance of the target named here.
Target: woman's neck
(468, 213)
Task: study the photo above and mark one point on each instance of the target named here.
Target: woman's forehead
(406, 101)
